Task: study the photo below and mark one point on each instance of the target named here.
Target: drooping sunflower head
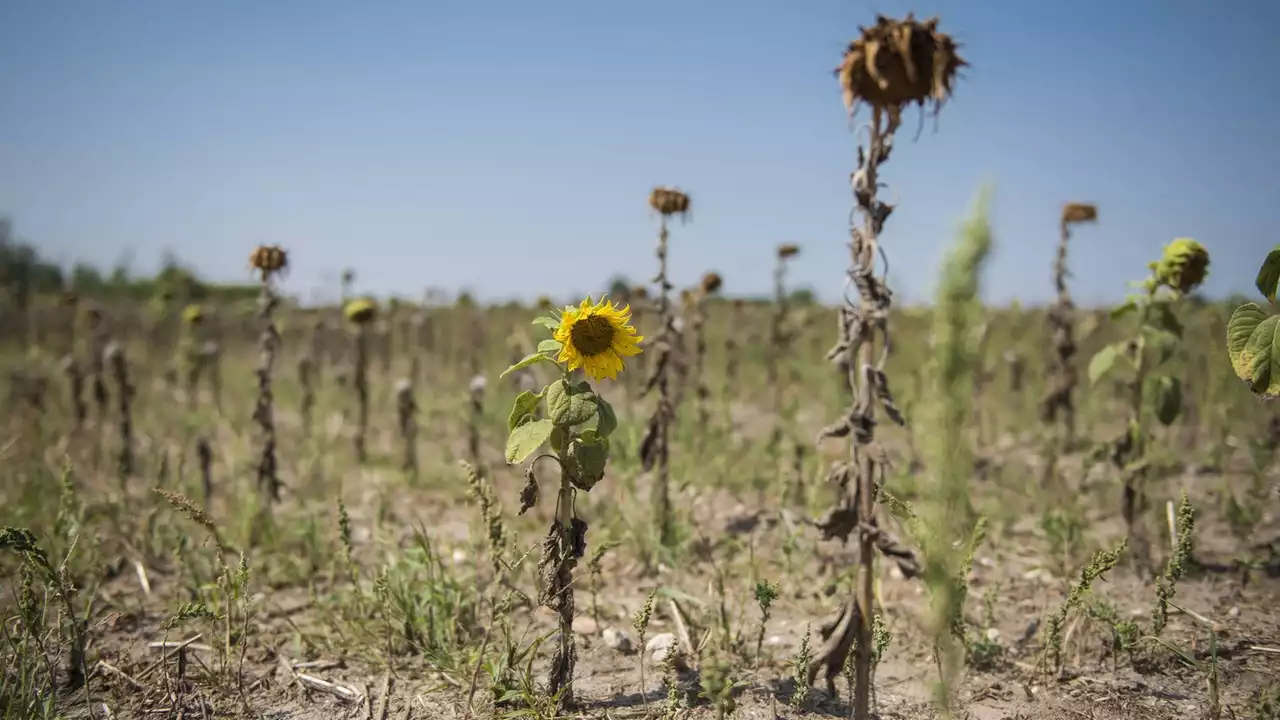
(360, 312)
(269, 260)
(1074, 212)
(711, 283)
(596, 338)
(193, 315)
(669, 201)
(788, 250)
(896, 62)
(1183, 266)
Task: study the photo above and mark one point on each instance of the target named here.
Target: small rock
(774, 640)
(459, 556)
(1234, 612)
(659, 645)
(584, 625)
(993, 634)
(618, 640)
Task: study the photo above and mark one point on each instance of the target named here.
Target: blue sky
(508, 147)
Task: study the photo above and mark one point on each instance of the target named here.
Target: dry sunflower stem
(889, 65)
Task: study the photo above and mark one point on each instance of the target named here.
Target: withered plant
(1057, 406)
(114, 354)
(270, 261)
(708, 287)
(655, 449)
(361, 314)
(781, 338)
(96, 324)
(406, 417)
(890, 65)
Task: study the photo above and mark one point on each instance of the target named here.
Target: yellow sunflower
(597, 338)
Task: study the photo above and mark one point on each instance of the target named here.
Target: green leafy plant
(576, 423)
(1253, 334)
(1153, 393)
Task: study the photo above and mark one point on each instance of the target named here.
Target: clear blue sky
(508, 147)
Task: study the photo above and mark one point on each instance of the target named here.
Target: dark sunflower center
(592, 335)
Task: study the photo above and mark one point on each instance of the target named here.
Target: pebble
(618, 640)
(659, 645)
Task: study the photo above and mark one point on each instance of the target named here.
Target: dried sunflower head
(360, 311)
(669, 201)
(1183, 266)
(711, 283)
(269, 260)
(897, 62)
(787, 250)
(1074, 212)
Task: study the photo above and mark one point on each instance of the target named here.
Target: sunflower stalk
(879, 69)
(780, 340)
(361, 314)
(1058, 407)
(576, 424)
(269, 262)
(1152, 394)
(655, 449)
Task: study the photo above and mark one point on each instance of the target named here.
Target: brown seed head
(897, 62)
(269, 260)
(711, 283)
(787, 250)
(1074, 212)
(669, 201)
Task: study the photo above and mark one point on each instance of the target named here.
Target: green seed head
(1183, 266)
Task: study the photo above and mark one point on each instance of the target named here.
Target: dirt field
(368, 591)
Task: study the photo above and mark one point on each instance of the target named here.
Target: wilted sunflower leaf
(526, 439)
(607, 421)
(526, 362)
(588, 461)
(526, 402)
(1269, 275)
(569, 405)
(1253, 344)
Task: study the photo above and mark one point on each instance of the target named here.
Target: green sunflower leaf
(1269, 275)
(607, 421)
(569, 405)
(550, 346)
(547, 322)
(587, 456)
(1253, 344)
(526, 439)
(1165, 395)
(526, 362)
(526, 402)
(1103, 361)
